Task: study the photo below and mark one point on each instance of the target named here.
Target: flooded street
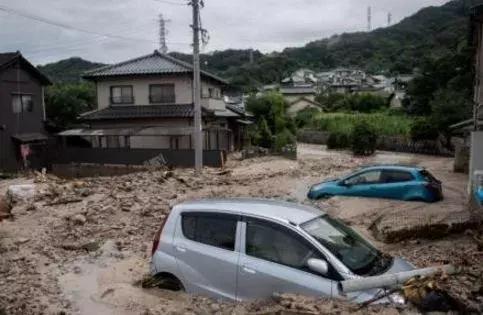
(89, 256)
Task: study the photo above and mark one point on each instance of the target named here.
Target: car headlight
(397, 298)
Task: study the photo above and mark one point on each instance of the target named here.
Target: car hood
(398, 265)
(322, 184)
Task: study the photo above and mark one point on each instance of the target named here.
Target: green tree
(450, 107)
(65, 102)
(363, 139)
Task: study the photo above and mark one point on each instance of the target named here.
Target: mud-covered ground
(82, 246)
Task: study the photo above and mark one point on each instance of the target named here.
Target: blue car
(384, 181)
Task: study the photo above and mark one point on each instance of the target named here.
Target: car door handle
(249, 270)
(181, 249)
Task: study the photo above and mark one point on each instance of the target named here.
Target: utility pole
(198, 129)
(163, 47)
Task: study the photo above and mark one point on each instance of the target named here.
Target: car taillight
(157, 236)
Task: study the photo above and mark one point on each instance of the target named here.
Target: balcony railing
(120, 100)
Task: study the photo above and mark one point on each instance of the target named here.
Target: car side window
(369, 177)
(389, 176)
(272, 242)
(216, 230)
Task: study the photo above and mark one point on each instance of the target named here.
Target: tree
(65, 102)
(363, 139)
(450, 107)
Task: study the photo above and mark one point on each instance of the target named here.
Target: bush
(363, 139)
(263, 136)
(423, 129)
(283, 139)
(338, 140)
(305, 117)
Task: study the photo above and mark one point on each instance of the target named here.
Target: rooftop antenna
(389, 19)
(369, 19)
(163, 47)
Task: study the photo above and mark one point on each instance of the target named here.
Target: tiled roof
(145, 111)
(153, 64)
(6, 59)
(297, 90)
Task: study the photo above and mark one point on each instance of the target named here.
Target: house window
(122, 95)
(22, 103)
(162, 93)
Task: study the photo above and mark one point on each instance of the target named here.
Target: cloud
(261, 24)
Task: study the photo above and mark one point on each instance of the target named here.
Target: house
(145, 108)
(22, 114)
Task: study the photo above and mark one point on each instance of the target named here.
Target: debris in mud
(90, 246)
(4, 209)
(390, 228)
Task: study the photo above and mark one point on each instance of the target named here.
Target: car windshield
(350, 248)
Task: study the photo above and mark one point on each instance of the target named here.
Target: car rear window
(428, 176)
(216, 230)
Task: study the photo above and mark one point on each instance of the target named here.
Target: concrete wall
(476, 154)
(182, 86)
(176, 158)
(16, 80)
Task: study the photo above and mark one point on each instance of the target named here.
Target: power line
(172, 2)
(65, 26)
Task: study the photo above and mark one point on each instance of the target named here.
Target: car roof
(270, 209)
(396, 167)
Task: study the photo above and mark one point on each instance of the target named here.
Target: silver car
(243, 249)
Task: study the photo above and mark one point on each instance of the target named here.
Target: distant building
(22, 114)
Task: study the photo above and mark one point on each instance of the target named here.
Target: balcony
(122, 100)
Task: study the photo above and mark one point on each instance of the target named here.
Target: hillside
(431, 33)
(68, 70)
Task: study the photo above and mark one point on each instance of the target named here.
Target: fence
(385, 143)
(148, 157)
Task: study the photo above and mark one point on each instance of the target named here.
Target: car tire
(166, 281)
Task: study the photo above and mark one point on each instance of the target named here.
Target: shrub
(283, 139)
(338, 140)
(263, 136)
(305, 117)
(363, 139)
(423, 129)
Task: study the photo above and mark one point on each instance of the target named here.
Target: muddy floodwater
(82, 246)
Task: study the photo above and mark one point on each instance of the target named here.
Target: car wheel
(325, 196)
(164, 281)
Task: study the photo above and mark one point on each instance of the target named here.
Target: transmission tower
(389, 19)
(369, 19)
(163, 47)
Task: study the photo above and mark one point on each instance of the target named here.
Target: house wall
(182, 83)
(290, 98)
(300, 105)
(476, 161)
(14, 79)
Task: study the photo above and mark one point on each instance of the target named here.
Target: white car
(244, 249)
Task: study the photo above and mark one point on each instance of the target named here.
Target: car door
(364, 184)
(205, 246)
(396, 184)
(274, 259)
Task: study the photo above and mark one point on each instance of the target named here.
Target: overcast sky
(266, 25)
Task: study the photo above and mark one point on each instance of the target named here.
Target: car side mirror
(318, 265)
(344, 184)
